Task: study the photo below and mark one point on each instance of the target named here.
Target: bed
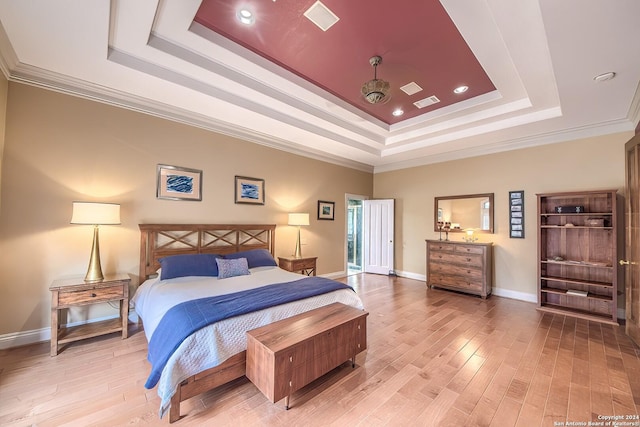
(210, 354)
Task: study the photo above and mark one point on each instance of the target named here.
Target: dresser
(460, 266)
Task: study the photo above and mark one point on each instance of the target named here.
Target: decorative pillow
(255, 257)
(232, 267)
(188, 265)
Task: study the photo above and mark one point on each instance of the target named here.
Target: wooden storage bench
(284, 356)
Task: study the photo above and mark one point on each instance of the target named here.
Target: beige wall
(60, 148)
(588, 164)
(4, 86)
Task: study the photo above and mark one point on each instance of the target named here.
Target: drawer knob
(468, 259)
(93, 295)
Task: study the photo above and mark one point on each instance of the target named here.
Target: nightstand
(75, 292)
(305, 265)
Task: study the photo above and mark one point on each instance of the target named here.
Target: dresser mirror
(461, 213)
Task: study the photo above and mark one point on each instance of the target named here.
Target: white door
(377, 230)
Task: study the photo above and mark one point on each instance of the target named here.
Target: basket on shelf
(594, 222)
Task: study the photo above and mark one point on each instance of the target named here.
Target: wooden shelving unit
(578, 253)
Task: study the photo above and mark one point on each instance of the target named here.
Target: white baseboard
(17, 339)
(521, 296)
(409, 275)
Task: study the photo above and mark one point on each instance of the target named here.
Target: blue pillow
(232, 267)
(188, 265)
(255, 258)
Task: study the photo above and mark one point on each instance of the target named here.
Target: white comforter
(214, 344)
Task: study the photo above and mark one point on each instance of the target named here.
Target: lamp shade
(298, 219)
(95, 213)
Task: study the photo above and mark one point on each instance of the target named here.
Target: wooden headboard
(160, 240)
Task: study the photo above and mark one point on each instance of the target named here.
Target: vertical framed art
(516, 214)
(326, 210)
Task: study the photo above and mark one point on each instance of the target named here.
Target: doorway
(632, 255)
(369, 235)
(354, 234)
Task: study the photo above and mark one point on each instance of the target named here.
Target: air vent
(427, 101)
(320, 15)
(411, 88)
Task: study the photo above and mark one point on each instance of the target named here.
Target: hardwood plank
(435, 358)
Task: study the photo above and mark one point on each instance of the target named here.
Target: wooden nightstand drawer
(74, 292)
(305, 265)
(90, 296)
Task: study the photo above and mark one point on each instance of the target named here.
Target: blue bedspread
(184, 319)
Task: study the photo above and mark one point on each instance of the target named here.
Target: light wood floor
(435, 358)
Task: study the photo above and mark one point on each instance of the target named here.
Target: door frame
(348, 196)
(632, 238)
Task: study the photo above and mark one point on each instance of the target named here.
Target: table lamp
(298, 219)
(95, 214)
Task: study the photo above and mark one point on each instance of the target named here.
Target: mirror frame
(465, 196)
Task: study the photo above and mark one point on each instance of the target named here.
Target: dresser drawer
(441, 247)
(469, 249)
(457, 271)
(90, 296)
(458, 282)
(472, 261)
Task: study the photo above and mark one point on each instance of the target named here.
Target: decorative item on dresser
(578, 253)
(74, 292)
(458, 266)
(306, 265)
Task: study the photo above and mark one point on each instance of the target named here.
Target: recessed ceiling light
(461, 89)
(398, 112)
(246, 16)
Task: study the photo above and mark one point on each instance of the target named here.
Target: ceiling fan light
(376, 90)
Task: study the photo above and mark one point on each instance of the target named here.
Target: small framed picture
(326, 210)
(176, 183)
(516, 214)
(249, 190)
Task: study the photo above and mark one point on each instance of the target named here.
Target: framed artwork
(176, 183)
(249, 190)
(326, 210)
(516, 214)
